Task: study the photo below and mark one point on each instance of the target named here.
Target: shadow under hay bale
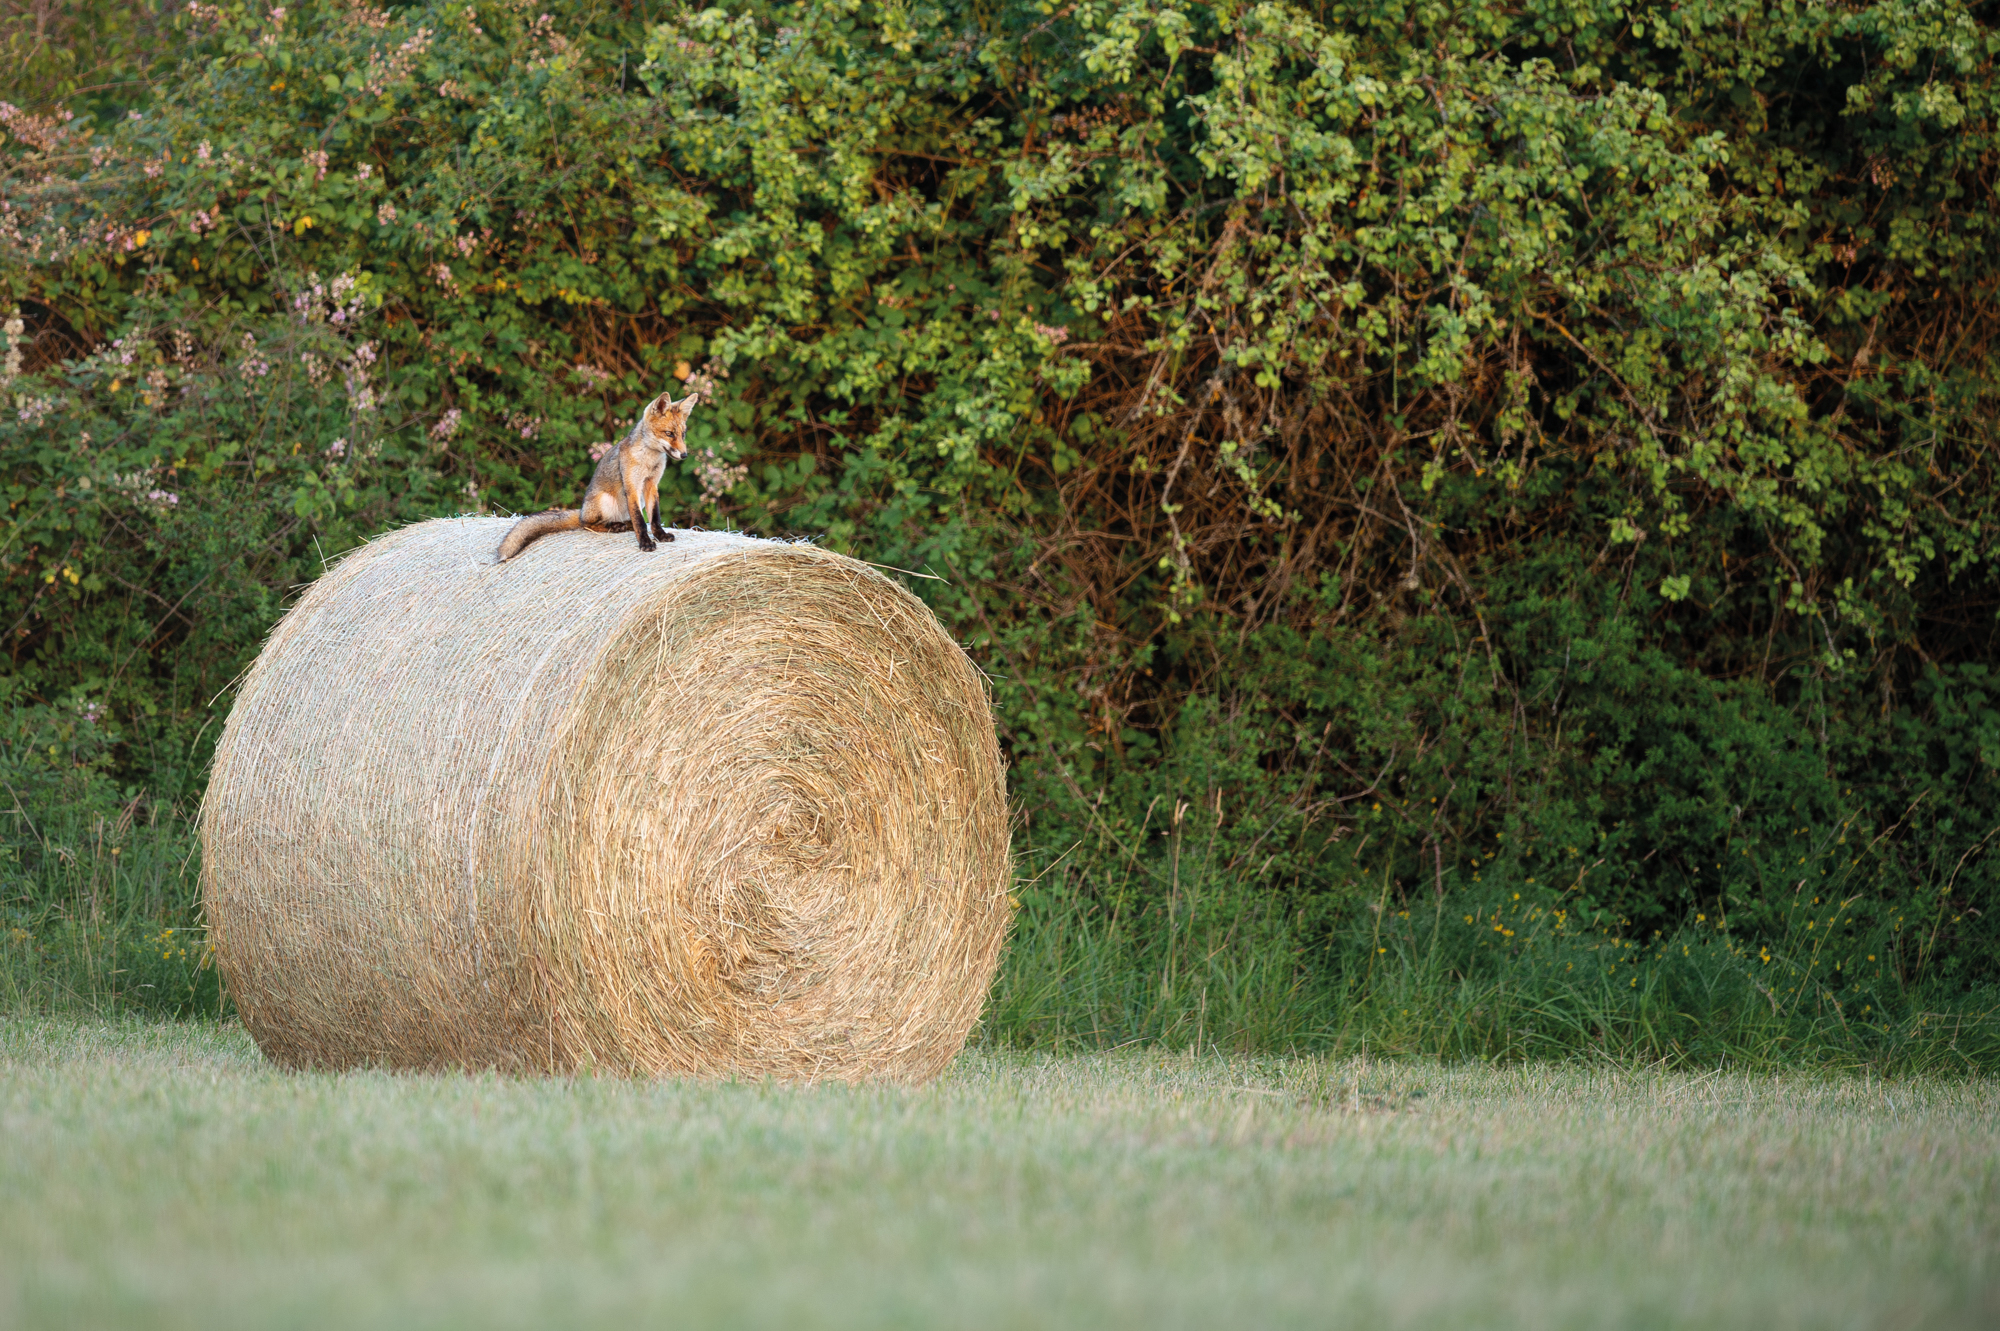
(733, 808)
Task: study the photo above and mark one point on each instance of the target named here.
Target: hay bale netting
(731, 808)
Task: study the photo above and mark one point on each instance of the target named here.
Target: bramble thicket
(1481, 518)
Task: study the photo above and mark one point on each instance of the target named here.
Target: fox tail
(535, 526)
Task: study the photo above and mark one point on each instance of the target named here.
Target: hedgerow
(1419, 453)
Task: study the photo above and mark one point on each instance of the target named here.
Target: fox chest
(608, 501)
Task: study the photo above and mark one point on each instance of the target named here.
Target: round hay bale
(735, 808)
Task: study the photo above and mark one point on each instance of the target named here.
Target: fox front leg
(634, 503)
(660, 532)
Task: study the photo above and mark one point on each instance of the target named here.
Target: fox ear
(664, 406)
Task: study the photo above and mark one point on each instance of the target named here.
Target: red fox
(625, 491)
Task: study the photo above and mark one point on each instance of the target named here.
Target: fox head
(665, 423)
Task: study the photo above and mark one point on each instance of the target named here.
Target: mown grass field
(161, 1175)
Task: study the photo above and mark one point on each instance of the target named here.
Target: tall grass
(1487, 974)
(1523, 978)
(1077, 976)
(101, 910)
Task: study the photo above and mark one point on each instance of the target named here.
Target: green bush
(1419, 453)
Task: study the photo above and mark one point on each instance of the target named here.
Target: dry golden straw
(733, 808)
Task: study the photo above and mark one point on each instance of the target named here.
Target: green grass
(100, 913)
(162, 1175)
(99, 909)
(1506, 979)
